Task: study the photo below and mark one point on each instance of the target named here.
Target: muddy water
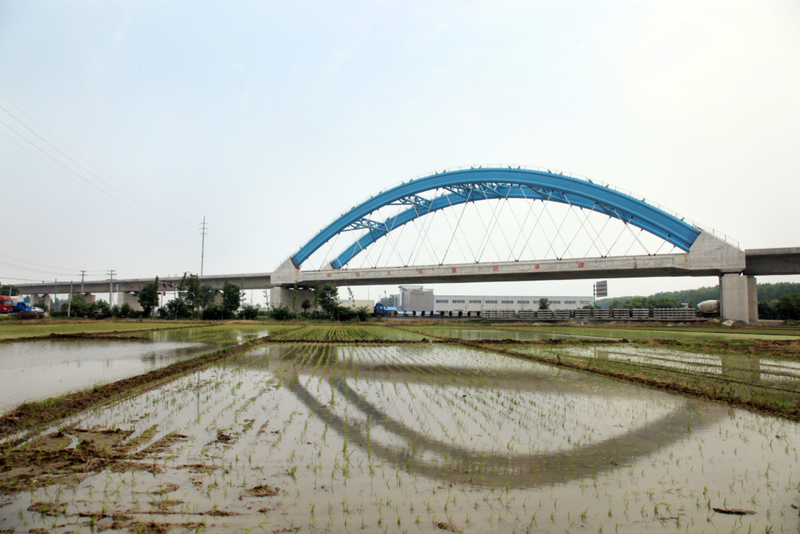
(417, 438)
(42, 369)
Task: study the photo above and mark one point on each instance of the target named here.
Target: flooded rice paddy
(305, 436)
(33, 370)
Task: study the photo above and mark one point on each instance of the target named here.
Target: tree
(148, 297)
(544, 303)
(78, 305)
(189, 291)
(99, 309)
(178, 309)
(231, 298)
(249, 313)
(206, 295)
(306, 304)
(9, 290)
(327, 297)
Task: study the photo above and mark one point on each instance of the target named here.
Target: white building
(483, 303)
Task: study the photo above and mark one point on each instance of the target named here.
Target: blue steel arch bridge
(561, 228)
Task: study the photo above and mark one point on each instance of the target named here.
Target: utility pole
(203, 232)
(83, 273)
(69, 302)
(111, 273)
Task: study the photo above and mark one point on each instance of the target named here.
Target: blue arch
(472, 185)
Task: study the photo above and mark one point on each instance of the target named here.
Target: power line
(121, 189)
(122, 203)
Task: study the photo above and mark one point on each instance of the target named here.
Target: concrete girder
(708, 256)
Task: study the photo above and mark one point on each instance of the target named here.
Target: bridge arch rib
(476, 184)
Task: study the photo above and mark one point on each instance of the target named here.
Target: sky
(124, 124)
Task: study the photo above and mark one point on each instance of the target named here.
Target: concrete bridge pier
(131, 299)
(282, 296)
(738, 297)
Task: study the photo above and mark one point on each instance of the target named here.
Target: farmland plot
(408, 438)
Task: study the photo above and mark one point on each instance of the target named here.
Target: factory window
(474, 302)
(555, 302)
(523, 302)
(570, 302)
(491, 302)
(507, 302)
(458, 302)
(439, 301)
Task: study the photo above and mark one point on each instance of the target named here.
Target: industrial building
(417, 299)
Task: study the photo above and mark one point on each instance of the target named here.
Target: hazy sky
(272, 118)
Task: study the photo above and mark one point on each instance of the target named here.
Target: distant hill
(766, 293)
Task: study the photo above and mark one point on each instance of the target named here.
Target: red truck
(6, 304)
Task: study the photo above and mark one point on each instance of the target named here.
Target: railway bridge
(454, 225)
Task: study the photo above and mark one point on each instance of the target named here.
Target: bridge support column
(282, 296)
(131, 299)
(738, 297)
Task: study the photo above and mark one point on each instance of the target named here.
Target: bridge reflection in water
(467, 416)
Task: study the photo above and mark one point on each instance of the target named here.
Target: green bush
(281, 313)
(213, 313)
(249, 313)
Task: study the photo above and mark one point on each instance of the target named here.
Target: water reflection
(366, 398)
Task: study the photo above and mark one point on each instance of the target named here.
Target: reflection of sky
(41, 369)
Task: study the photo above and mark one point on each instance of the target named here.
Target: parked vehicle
(382, 311)
(6, 304)
(22, 306)
(709, 308)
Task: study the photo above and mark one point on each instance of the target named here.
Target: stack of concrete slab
(675, 314)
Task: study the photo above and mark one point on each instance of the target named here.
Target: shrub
(249, 313)
(213, 313)
(281, 313)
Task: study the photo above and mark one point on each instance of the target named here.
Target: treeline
(766, 293)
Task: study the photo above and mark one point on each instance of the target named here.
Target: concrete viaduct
(702, 253)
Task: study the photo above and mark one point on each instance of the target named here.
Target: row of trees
(785, 308)
(194, 299)
(325, 305)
